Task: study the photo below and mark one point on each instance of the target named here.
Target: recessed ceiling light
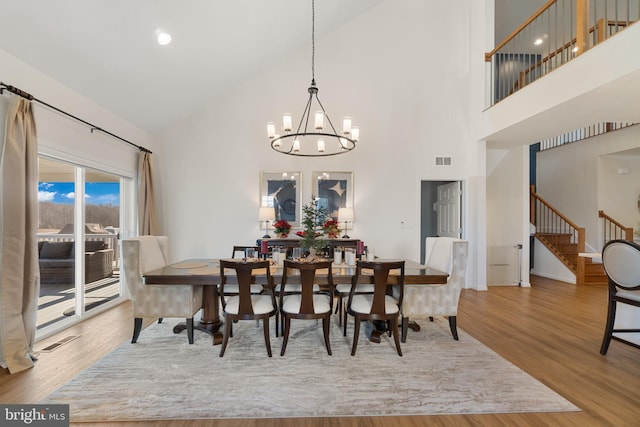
(164, 38)
(538, 42)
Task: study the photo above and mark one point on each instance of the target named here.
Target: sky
(96, 193)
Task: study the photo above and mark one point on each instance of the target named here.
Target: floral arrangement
(331, 228)
(282, 227)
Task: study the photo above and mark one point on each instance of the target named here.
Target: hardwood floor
(552, 331)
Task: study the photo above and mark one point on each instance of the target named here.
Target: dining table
(206, 272)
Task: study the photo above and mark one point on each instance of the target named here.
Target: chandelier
(322, 139)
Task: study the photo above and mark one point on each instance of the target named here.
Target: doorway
(440, 210)
(79, 224)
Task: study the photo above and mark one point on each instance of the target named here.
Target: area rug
(163, 377)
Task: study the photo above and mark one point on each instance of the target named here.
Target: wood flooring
(552, 330)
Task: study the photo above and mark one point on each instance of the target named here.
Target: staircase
(560, 244)
(565, 240)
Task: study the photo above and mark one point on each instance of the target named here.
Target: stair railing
(613, 229)
(564, 29)
(549, 221)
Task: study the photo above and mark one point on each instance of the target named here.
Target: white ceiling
(106, 50)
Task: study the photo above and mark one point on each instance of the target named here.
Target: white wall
(402, 73)
(507, 213)
(61, 137)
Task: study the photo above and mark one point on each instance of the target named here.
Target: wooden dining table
(206, 272)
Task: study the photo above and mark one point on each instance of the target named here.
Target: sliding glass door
(80, 211)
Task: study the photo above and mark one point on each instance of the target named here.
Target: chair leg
(225, 339)
(608, 331)
(285, 334)
(453, 327)
(137, 327)
(325, 328)
(190, 330)
(356, 334)
(393, 324)
(405, 328)
(344, 323)
(267, 342)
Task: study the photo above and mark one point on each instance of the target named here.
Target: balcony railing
(554, 35)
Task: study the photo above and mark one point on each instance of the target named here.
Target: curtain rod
(93, 127)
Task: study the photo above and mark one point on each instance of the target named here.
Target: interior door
(447, 208)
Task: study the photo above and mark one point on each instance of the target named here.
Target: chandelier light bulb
(321, 146)
(346, 125)
(319, 120)
(276, 143)
(355, 133)
(296, 145)
(287, 121)
(271, 130)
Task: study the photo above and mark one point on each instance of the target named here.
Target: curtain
(147, 223)
(19, 274)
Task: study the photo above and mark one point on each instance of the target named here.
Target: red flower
(282, 226)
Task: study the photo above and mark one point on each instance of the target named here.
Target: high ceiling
(107, 51)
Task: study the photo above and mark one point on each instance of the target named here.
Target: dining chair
(621, 262)
(303, 301)
(445, 254)
(146, 253)
(246, 305)
(381, 305)
(232, 289)
(241, 250)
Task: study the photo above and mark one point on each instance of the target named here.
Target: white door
(447, 208)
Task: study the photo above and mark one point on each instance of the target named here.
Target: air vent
(57, 344)
(443, 161)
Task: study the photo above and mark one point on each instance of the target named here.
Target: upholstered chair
(621, 262)
(146, 253)
(445, 254)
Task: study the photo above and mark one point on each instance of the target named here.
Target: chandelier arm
(326, 115)
(305, 115)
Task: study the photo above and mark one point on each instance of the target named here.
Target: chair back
(382, 284)
(307, 274)
(244, 274)
(621, 262)
(142, 254)
(241, 249)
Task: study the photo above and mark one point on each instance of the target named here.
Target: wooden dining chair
(232, 289)
(240, 249)
(381, 305)
(303, 301)
(246, 305)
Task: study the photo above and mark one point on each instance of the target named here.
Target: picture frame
(334, 190)
(282, 190)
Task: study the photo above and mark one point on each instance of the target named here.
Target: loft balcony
(583, 70)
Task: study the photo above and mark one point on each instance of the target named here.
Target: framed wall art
(334, 190)
(282, 191)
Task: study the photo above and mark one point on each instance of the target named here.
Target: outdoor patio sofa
(57, 261)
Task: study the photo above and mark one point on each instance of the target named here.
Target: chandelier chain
(313, 41)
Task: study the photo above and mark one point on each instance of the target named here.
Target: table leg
(380, 328)
(210, 321)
